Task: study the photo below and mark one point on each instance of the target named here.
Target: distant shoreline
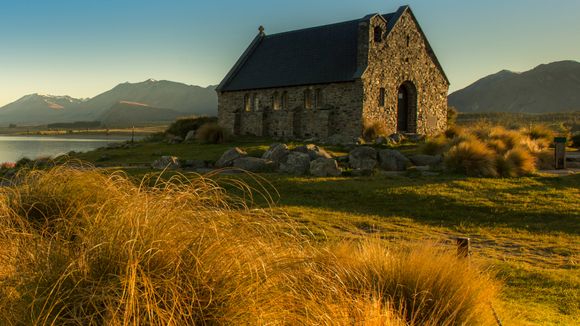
(36, 131)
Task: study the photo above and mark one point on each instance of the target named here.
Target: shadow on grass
(535, 204)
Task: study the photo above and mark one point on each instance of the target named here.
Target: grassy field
(527, 230)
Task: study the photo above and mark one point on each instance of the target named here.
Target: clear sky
(83, 47)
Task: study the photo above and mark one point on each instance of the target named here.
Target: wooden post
(463, 247)
(560, 153)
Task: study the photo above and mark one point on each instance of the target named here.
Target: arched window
(256, 102)
(318, 99)
(307, 99)
(276, 101)
(247, 103)
(378, 34)
(284, 101)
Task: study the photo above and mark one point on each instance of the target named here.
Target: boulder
(424, 160)
(392, 160)
(313, 151)
(253, 164)
(338, 139)
(166, 162)
(227, 159)
(296, 163)
(397, 138)
(277, 153)
(363, 158)
(190, 136)
(325, 167)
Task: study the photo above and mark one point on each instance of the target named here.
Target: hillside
(553, 87)
(131, 113)
(165, 100)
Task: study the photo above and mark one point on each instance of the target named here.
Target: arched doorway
(407, 108)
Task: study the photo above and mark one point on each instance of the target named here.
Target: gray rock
(190, 136)
(325, 167)
(253, 164)
(227, 159)
(166, 162)
(392, 160)
(296, 163)
(363, 158)
(277, 153)
(423, 159)
(313, 151)
(381, 140)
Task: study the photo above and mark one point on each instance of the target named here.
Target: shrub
(472, 158)
(453, 132)
(510, 138)
(541, 132)
(182, 126)
(211, 133)
(372, 130)
(84, 248)
(545, 160)
(452, 114)
(516, 162)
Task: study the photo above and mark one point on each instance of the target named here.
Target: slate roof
(317, 55)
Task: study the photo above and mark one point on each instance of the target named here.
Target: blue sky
(83, 47)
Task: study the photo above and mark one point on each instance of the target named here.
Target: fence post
(463, 247)
(560, 153)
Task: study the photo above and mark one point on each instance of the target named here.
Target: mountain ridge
(41, 109)
(552, 87)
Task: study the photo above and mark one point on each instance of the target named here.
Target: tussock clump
(486, 150)
(184, 125)
(472, 158)
(541, 132)
(211, 133)
(372, 130)
(85, 248)
(517, 162)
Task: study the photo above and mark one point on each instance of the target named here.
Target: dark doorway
(407, 108)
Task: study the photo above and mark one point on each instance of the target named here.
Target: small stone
(423, 159)
(277, 153)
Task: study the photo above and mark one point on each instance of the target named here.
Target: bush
(182, 126)
(435, 146)
(372, 130)
(472, 158)
(211, 133)
(84, 248)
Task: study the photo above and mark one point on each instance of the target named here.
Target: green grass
(526, 229)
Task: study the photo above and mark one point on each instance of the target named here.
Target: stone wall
(403, 58)
(339, 112)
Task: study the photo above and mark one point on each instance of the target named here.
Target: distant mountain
(132, 113)
(38, 109)
(553, 87)
(189, 100)
(165, 98)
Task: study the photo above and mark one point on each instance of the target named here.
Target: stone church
(333, 79)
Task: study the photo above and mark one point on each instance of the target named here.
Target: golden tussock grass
(489, 151)
(80, 247)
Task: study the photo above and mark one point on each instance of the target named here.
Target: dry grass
(472, 158)
(85, 248)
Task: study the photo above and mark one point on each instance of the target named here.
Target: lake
(13, 148)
